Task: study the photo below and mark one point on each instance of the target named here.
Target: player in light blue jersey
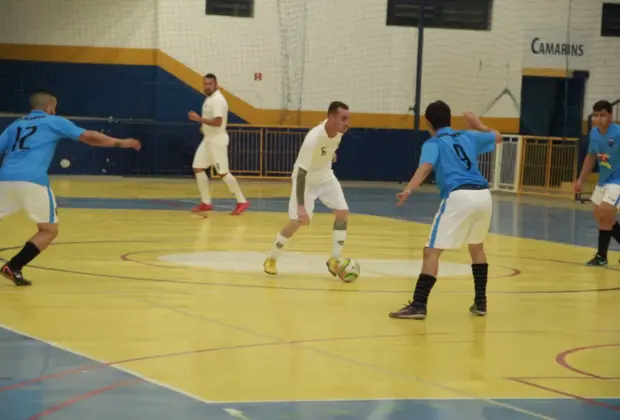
(464, 214)
(604, 147)
(28, 146)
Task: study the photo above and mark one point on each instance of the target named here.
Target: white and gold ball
(348, 270)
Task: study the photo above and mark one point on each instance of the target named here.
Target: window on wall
(610, 25)
(235, 8)
(445, 14)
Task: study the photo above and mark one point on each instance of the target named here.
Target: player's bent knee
(50, 229)
(606, 216)
(291, 227)
(431, 252)
(341, 214)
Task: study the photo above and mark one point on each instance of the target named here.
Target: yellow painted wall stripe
(546, 72)
(251, 114)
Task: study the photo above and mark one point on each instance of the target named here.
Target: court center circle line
(611, 289)
(126, 257)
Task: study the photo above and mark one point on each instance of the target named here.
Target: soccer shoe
(240, 208)
(270, 267)
(15, 276)
(332, 266)
(202, 207)
(479, 309)
(597, 261)
(410, 311)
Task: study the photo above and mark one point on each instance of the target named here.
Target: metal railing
(532, 165)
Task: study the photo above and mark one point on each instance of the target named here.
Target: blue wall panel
(100, 90)
(168, 150)
(379, 155)
(124, 95)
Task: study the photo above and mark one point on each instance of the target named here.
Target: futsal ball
(65, 163)
(348, 270)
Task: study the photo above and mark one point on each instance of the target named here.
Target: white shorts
(329, 192)
(609, 194)
(36, 200)
(463, 218)
(211, 154)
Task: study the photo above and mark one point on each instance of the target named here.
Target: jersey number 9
(460, 152)
(20, 140)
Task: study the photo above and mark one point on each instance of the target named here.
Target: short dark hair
(602, 106)
(438, 114)
(335, 106)
(210, 76)
(39, 98)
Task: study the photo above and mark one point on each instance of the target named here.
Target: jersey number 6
(323, 151)
(21, 140)
(460, 152)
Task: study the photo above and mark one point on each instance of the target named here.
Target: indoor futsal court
(142, 310)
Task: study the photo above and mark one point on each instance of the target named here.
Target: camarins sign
(555, 49)
(540, 46)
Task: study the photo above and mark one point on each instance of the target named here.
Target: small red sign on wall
(258, 76)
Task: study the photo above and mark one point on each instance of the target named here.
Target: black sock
(615, 232)
(481, 275)
(604, 238)
(422, 289)
(28, 253)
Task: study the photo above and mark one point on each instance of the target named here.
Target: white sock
(278, 246)
(234, 187)
(203, 186)
(339, 237)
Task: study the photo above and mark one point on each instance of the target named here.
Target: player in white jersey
(314, 178)
(213, 150)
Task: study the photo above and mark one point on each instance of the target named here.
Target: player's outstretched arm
(97, 139)
(474, 123)
(586, 169)
(588, 165)
(430, 154)
(418, 178)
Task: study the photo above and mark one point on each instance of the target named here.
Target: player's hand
(302, 216)
(131, 144)
(472, 120)
(402, 197)
(577, 186)
(193, 116)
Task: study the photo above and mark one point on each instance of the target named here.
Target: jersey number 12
(460, 152)
(20, 138)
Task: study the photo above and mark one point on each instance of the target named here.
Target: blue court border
(40, 380)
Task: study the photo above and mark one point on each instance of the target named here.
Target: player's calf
(606, 217)
(235, 189)
(480, 272)
(282, 238)
(416, 309)
(202, 180)
(339, 236)
(12, 270)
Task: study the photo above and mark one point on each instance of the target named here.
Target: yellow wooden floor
(181, 301)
